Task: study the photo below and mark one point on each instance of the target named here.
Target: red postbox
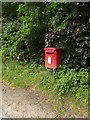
(52, 57)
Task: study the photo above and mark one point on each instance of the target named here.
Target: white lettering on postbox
(49, 60)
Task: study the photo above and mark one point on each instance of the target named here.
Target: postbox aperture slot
(49, 53)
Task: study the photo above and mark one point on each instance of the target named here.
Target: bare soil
(30, 103)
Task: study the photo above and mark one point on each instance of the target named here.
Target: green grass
(37, 76)
(20, 75)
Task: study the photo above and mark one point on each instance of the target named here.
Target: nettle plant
(65, 81)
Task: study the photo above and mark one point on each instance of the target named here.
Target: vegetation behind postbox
(32, 26)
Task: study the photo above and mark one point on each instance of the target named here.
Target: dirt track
(29, 103)
(22, 103)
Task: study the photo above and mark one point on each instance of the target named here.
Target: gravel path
(29, 103)
(22, 103)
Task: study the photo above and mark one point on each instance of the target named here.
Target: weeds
(63, 81)
(21, 75)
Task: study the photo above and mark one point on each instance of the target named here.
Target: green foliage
(60, 13)
(25, 31)
(9, 10)
(63, 82)
(21, 74)
(67, 81)
(56, 24)
(23, 39)
(68, 28)
(10, 41)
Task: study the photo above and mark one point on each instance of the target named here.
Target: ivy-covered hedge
(38, 25)
(69, 29)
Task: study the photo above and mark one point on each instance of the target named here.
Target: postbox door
(49, 61)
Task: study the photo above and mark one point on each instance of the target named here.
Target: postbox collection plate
(49, 60)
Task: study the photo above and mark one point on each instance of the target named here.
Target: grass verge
(37, 76)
